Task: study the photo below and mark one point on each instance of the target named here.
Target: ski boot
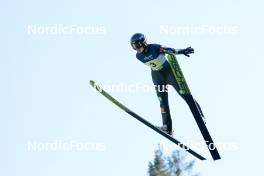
(164, 129)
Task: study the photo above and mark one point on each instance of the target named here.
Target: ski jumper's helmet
(138, 40)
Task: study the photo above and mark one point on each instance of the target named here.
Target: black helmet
(138, 40)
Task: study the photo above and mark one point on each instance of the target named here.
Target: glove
(186, 51)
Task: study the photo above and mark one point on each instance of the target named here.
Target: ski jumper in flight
(154, 56)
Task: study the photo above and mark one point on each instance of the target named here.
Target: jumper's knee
(164, 109)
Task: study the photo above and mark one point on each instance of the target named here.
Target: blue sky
(46, 97)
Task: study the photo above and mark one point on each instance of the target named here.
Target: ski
(145, 122)
(193, 105)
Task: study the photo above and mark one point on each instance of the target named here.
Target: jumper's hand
(186, 51)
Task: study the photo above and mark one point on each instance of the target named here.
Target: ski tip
(92, 82)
